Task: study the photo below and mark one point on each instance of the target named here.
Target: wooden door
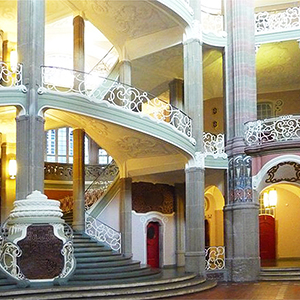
(267, 237)
(153, 244)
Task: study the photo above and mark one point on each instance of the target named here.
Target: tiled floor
(249, 291)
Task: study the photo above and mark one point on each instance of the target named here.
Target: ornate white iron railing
(214, 145)
(277, 20)
(102, 232)
(9, 253)
(215, 258)
(98, 89)
(100, 185)
(10, 77)
(278, 129)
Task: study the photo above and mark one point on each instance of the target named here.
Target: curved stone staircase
(104, 274)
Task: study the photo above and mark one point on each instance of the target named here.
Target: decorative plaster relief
(137, 147)
(285, 171)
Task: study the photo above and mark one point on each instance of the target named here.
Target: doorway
(267, 237)
(153, 244)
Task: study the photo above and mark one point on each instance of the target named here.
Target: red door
(267, 237)
(153, 244)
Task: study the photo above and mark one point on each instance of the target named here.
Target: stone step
(279, 278)
(111, 275)
(91, 248)
(109, 269)
(112, 263)
(280, 274)
(93, 253)
(102, 258)
(155, 289)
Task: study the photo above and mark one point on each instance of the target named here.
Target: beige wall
(211, 115)
(288, 222)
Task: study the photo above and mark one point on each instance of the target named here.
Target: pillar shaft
(180, 225)
(78, 46)
(30, 127)
(78, 180)
(241, 211)
(126, 215)
(193, 97)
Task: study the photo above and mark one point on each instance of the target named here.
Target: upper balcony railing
(280, 129)
(214, 145)
(10, 76)
(98, 89)
(279, 20)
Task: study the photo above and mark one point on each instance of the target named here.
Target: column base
(195, 263)
(80, 227)
(180, 258)
(243, 269)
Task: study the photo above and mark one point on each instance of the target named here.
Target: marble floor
(249, 291)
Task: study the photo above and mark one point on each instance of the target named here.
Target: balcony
(275, 133)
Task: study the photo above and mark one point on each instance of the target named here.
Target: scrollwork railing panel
(98, 89)
(214, 145)
(102, 232)
(277, 20)
(212, 23)
(278, 129)
(10, 77)
(215, 258)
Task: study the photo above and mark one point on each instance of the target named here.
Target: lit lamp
(12, 169)
(270, 199)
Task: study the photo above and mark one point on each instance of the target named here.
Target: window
(104, 158)
(264, 110)
(59, 146)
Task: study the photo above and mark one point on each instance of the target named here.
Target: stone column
(125, 77)
(180, 224)
(241, 210)
(78, 180)
(78, 50)
(125, 215)
(78, 46)
(193, 95)
(30, 126)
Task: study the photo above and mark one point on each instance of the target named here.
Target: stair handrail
(107, 175)
(119, 95)
(9, 253)
(102, 232)
(68, 252)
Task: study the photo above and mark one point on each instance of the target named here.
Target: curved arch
(258, 181)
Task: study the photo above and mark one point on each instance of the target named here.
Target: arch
(258, 181)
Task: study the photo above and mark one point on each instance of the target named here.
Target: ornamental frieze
(285, 171)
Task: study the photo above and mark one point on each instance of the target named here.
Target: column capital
(193, 33)
(197, 162)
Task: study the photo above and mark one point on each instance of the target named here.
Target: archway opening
(279, 245)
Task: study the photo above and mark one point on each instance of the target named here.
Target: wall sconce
(13, 60)
(270, 198)
(12, 169)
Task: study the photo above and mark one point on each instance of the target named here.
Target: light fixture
(270, 198)
(13, 60)
(12, 169)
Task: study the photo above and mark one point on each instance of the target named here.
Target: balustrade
(98, 89)
(268, 21)
(278, 129)
(10, 77)
(214, 145)
(215, 258)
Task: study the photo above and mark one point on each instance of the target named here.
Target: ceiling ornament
(137, 147)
